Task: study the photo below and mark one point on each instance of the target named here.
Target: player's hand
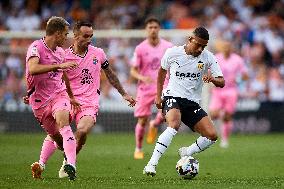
(147, 80)
(207, 78)
(26, 99)
(75, 105)
(130, 99)
(67, 65)
(159, 102)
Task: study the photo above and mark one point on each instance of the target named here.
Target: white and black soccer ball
(187, 167)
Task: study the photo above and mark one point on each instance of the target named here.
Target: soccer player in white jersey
(188, 66)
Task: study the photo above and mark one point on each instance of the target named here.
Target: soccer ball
(187, 167)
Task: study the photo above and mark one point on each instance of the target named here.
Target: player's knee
(62, 118)
(175, 124)
(82, 131)
(214, 115)
(227, 118)
(143, 121)
(62, 122)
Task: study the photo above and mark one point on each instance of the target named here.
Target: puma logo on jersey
(189, 75)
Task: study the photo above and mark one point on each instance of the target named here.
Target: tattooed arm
(112, 78)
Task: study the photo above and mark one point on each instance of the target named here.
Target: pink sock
(69, 144)
(226, 130)
(158, 119)
(139, 135)
(47, 150)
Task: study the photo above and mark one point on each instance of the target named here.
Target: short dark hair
(201, 32)
(79, 24)
(152, 19)
(55, 24)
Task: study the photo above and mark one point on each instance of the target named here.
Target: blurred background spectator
(256, 28)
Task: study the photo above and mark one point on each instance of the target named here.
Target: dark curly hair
(201, 32)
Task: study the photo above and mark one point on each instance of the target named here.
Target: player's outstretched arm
(160, 82)
(112, 78)
(36, 68)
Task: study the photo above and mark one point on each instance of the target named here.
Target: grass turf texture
(251, 161)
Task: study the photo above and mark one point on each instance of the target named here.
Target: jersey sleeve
(165, 62)
(214, 66)
(33, 51)
(136, 59)
(103, 59)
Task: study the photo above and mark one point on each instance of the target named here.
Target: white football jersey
(186, 72)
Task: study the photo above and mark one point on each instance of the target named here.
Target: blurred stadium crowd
(255, 27)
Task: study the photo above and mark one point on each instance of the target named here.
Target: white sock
(200, 144)
(162, 144)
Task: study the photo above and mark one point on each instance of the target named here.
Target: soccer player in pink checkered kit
(223, 101)
(145, 65)
(85, 82)
(45, 65)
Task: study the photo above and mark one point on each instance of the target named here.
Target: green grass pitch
(251, 161)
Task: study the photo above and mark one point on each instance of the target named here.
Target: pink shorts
(224, 100)
(86, 111)
(46, 115)
(144, 105)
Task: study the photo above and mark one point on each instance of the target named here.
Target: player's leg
(215, 114)
(215, 107)
(84, 126)
(85, 121)
(139, 136)
(61, 112)
(229, 109)
(43, 115)
(226, 130)
(142, 112)
(58, 140)
(69, 141)
(153, 130)
(173, 118)
(208, 137)
(48, 148)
